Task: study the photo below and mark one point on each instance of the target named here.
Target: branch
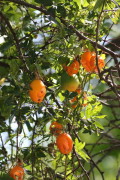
(81, 36)
(80, 164)
(29, 5)
(15, 39)
(97, 37)
(36, 30)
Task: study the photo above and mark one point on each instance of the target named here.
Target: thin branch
(4, 150)
(29, 5)
(80, 164)
(16, 40)
(36, 30)
(97, 37)
(108, 33)
(81, 36)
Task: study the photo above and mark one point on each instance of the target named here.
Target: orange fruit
(101, 62)
(64, 143)
(85, 60)
(78, 90)
(38, 91)
(73, 68)
(56, 128)
(93, 66)
(69, 83)
(86, 56)
(17, 173)
(88, 61)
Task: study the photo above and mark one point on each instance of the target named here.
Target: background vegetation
(37, 37)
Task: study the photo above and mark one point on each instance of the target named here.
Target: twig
(16, 40)
(32, 146)
(81, 36)
(108, 33)
(4, 150)
(80, 164)
(97, 37)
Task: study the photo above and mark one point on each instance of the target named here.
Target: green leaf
(78, 3)
(61, 97)
(98, 125)
(28, 125)
(63, 60)
(3, 72)
(45, 2)
(83, 155)
(40, 154)
(101, 116)
(98, 4)
(5, 177)
(89, 111)
(79, 145)
(61, 10)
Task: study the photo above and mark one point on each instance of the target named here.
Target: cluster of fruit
(17, 172)
(63, 140)
(69, 80)
(88, 61)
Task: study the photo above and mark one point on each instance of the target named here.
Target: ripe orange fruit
(69, 83)
(101, 63)
(73, 68)
(17, 173)
(56, 128)
(64, 143)
(86, 56)
(85, 60)
(88, 61)
(38, 90)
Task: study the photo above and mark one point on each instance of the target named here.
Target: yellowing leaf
(61, 97)
(2, 81)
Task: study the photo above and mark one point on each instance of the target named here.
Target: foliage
(38, 39)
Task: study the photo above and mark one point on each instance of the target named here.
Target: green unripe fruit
(69, 83)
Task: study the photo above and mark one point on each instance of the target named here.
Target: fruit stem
(37, 76)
